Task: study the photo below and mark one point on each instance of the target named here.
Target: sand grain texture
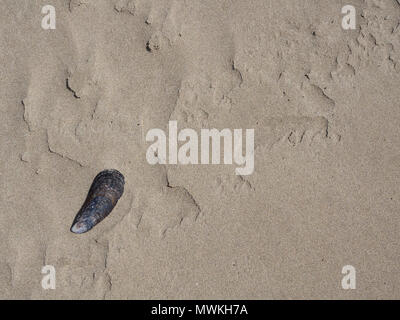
(325, 106)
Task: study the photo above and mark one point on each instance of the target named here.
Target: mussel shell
(104, 193)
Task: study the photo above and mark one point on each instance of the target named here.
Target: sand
(325, 106)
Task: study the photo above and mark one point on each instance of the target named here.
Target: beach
(323, 192)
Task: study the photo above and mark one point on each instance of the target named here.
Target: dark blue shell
(106, 189)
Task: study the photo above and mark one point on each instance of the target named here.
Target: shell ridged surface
(104, 193)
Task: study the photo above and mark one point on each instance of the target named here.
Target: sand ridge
(324, 104)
